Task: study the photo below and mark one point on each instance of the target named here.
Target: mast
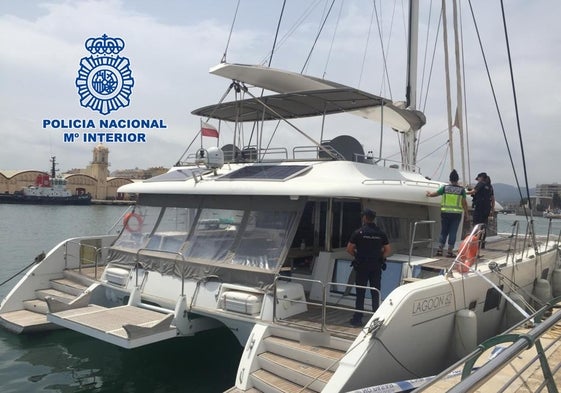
(409, 154)
(53, 167)
(448, 93)
(459, 122)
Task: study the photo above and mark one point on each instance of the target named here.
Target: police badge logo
(104, 79)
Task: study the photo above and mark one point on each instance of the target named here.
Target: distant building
(94, 178)
(548, 190)
(139, 173)
(545, 192)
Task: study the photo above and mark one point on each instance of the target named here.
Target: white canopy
(287, 82)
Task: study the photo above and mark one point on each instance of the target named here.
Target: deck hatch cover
(266, 172)
(177, 175)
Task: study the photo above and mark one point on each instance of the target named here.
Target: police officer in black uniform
(369, 246)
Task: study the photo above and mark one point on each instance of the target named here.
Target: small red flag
(209, 130)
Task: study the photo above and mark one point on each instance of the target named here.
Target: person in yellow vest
(451, 208)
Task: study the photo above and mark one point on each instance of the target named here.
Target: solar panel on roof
(266, 172)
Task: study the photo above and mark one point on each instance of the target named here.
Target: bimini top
(304, 96)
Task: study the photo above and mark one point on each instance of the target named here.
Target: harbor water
(65, 361)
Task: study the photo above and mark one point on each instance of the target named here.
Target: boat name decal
(432, 303)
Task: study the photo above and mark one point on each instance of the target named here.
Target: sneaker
(451, 254)
(356, 322)
(438, 253)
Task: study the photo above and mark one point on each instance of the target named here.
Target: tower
(99, 169)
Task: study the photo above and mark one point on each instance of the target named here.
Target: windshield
(248, 237)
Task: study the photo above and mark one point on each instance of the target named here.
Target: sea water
(65, 361)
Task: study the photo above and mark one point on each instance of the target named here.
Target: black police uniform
(482, 206)
(369, 241)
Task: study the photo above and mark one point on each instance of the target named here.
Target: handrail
(324, 306)
(413, 242)
(549, 233)
(472, 380)
(97, 251)
(513, 238)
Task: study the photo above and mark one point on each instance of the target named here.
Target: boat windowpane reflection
(172, 230)
(137, 226)
(214, 235)
(264, 238)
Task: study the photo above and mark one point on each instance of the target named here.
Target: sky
(170, 46)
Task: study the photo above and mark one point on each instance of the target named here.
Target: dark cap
(482, 174)
(369, 214)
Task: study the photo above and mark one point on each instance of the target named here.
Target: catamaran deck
(126, 326)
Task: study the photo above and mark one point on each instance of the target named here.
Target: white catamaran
(254, 239)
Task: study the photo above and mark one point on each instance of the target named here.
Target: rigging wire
(276, 35)
(516, 111)
(433, 59)
(441, 165)
(268, 65)
(366, 46)
(445, 144)
(384, 57)
(317, 37)
(425, 55)
(178, 163)
(495, 100)
(423, 72)
(293, 28)
(333, 39)
(223, 60)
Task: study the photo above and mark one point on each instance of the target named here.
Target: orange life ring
(127, 222)
(467, 253)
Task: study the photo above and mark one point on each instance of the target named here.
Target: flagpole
(201, 131)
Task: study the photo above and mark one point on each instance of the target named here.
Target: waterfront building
(94, 178)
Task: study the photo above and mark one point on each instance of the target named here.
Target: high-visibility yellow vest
(452, 197)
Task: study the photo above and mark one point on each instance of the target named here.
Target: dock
(528, 360)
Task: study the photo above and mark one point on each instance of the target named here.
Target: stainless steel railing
(472, 380)
(325, 307)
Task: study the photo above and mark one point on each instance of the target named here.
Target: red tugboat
(48, 190)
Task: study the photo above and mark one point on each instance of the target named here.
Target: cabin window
(264, 238)
(346, 218)
(214, 234)
(172, 229)
(232, 231)
(137, 226)
(390, 225)
(252, 238)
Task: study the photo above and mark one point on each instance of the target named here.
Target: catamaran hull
(419, 334)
